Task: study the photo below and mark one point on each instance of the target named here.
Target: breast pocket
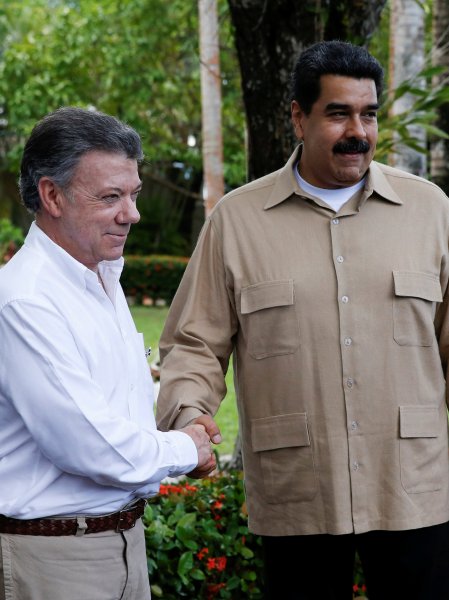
(286, 459)
(423, 451)
(414, 308)
(269, 319)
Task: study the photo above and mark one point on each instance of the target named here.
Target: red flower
(217, 505)
(220, 563)
(210, 565)
(190, 488)
(213, 589)
(202, 553)
(355, 588)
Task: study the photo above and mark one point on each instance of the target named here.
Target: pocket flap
(266, 295)
(419, 421)
(281, 431)
(417, 285)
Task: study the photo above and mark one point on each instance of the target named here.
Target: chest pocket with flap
(269, 320)
(413, 307)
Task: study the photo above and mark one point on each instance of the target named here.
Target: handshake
(203, 430)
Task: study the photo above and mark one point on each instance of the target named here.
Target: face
(340, 133)
(93, 222)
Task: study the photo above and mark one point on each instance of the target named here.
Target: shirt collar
(286, 184)
(377, 182)
(110, 270)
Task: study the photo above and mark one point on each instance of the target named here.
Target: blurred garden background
(206, 84)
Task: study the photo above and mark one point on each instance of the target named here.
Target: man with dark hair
(328, 281)
(79, 449)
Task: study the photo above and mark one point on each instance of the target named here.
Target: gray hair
(60, 139)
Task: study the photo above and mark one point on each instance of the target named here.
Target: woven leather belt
(119, 521)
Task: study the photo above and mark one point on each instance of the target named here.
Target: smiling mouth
(121, 236)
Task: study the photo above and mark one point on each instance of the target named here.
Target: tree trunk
(407, 59)
(212, 143)
(439, 169)
(269, 36)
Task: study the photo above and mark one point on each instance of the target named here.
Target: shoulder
(257, 191)
(402, 181)
(24, 277)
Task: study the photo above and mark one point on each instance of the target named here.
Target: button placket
(347, 341)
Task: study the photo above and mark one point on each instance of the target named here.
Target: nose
(128, 212)
(355, 128)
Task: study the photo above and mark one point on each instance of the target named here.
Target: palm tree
(212, 143)
(439, 168)
(407, 59)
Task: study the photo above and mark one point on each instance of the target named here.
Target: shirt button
(340, 259)
(355, 466)
(354, 425)
(349, 382)
(131, 387)
(344, 299)
(335, 221)
(348, 341)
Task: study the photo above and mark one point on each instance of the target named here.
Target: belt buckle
(121, 518)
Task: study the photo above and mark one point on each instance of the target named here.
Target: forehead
(347, 90)
(100, 168)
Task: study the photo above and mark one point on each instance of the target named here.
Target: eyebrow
(340, 106)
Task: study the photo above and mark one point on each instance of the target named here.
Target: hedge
(154, 276)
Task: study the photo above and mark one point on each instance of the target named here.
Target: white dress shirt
(77, 430)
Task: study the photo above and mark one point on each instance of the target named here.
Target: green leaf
(246, 552)
(156, 590)
(197, 574)
(185, 563)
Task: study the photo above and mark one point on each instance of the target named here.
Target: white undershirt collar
(333, 198)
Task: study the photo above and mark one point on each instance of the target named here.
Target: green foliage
(11, 238)
(198, 543)
(394, 129)
(359, 587)
(155, 277)
(136, 59)
(159, 230)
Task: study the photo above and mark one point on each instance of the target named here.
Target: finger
(211, 428)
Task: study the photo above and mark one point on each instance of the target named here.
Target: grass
(150, 320)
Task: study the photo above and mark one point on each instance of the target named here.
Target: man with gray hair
(79, 449)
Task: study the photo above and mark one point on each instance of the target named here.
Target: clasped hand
(203, 430)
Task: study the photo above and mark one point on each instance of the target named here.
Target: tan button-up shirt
(339, 327)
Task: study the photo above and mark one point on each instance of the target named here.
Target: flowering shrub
(198, 544)
(359, 587)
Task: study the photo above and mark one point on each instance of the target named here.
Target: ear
(51, 197)
(298, 116)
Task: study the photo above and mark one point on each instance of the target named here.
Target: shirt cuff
(185, 452)
(186, 416)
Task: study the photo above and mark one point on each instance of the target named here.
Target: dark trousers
(398, 565)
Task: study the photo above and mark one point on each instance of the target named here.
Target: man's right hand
(206, 458)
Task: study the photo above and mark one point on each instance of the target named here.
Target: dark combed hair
(331, 58)
(60, 139)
